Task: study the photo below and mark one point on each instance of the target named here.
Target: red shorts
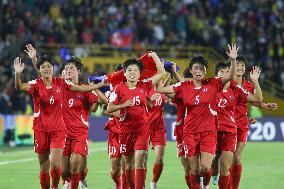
(242, 135)
(44, 141)
(138, 140)
(194, 143)
(226, 141)
(78, 145)
(158, 137)
(113, 145)
(178, 132)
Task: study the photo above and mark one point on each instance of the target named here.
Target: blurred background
(104, 33)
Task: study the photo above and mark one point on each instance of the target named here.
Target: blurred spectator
(257, 26)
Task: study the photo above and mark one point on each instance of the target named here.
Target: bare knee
(204, 169)
(159, 160)
(237, 158)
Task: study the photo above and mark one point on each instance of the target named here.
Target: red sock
(124, 183)
(157, 170)
(84, 174)
(130, 177)
(236, 175)
(44, 180)
(207, 177)
(74, 180)
(115, 178)
(194, 181)
(55, 176)
(224, 182)
(140, 176)
(187, 179)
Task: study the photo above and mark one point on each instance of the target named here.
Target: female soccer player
(199, 134)
(227, 101)
(157, 133)
(49, 127)
(130, 98)
(117, 163)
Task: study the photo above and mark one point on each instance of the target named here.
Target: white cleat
(66, 185)
(153, 185)
(83, 184)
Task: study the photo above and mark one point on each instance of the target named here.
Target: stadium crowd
(257, 26)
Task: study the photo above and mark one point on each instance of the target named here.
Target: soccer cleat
(83, 184)
(215, 180)
(153, 185)
(66, 185)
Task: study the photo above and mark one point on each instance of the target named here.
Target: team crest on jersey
(205, 90)
(58, 90)
(141, 91)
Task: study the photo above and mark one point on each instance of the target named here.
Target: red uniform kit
(199, 133)
(133, 122)
(227, 127)
(48, 124)
(241, 116)
(113, 128)
(156, 120)
(178, 132)
(76, 114)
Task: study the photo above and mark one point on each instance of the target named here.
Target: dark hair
(198, 60)
(186, 73)
(73, 60)
(221, 65)
(241, 58)
(118, 67)
(43, 59)
(133, 61)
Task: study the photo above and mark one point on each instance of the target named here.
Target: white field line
(32, 159)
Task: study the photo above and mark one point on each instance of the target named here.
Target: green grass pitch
(263, 168)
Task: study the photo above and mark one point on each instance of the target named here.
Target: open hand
(18, 65)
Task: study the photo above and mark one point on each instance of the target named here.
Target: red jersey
(48, 104)
(180, 111)
(200, 104)
(132, 117)
(156, 115)
(226, 104)
(76, 111)
(241, 115)
(113, 122)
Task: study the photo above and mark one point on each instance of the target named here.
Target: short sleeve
(114, 95)
(216, 82)
(178, 90)
(33, 86)
(243, 94)
(92, 97)
(65, 84)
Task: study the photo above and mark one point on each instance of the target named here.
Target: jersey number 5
(196, 100)
(136, 100)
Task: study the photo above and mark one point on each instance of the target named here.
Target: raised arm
(233, 53)
(160, 68)
(31, 52)
(165, 89)
(254, 75)
(175, 74)
(19, 67)
(101, 96)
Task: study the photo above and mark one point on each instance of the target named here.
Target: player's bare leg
(44, 170)
(158, 165)
(236, 169)
(205, 168)
(225, 164)
(84, 172)
(124, 183)
(65, 173)
(115, 171)
(75, 166)
(130, 170)
(194, 172)
(215, 169)
(185, 164)
(140, 172)
(55, 165)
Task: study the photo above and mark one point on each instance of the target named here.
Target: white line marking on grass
(32, 159)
